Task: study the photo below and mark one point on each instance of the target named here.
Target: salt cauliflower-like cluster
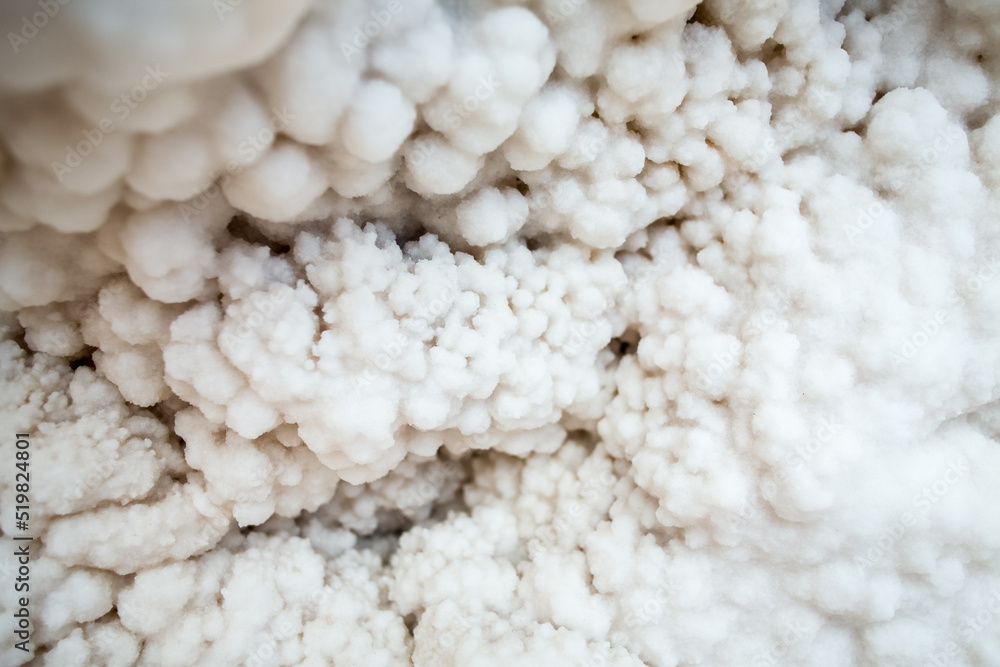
(570, 332)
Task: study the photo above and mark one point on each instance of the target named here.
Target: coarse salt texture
(530, 332)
